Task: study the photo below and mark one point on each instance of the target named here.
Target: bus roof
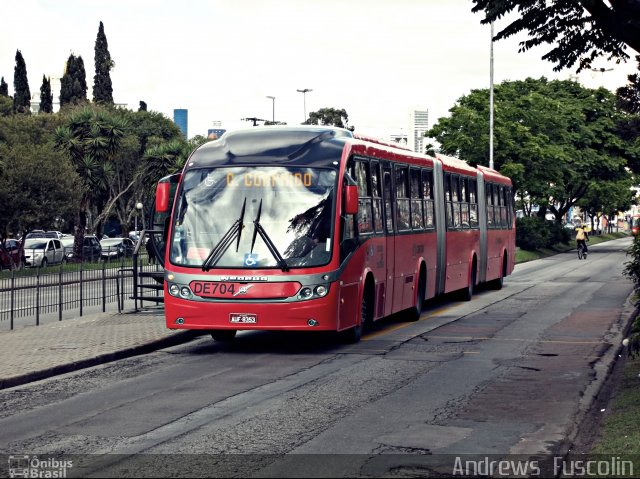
(455, 163)
(272, 144)
(312, 145)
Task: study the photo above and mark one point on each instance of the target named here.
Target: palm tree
(166, 159)
(91, 138)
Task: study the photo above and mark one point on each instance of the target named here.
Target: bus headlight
(306, 293)
(185, 292)
(321, 291)
(174, 290)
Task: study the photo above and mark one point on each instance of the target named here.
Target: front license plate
(243, 318)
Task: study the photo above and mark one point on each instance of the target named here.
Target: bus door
(388, 206)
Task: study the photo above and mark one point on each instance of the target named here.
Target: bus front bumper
(320, 314)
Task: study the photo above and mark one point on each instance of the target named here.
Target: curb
(603, 369)
(173, 340)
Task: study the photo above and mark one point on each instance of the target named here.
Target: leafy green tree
(21, 92)
(73, 85)
(551, 137)
(90, 138)
(607, 198)
(579, 31)
(102, 88)
(328, 116)
(46, 97)
(130, 181)
(629, 102)
(143, 106)
(4, 88)
(37, 183)
(629, 95)
(6, 105)
(6, 102)
(166, 159)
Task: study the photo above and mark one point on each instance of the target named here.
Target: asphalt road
(509, 374)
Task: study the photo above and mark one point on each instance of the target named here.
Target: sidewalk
(37, 352)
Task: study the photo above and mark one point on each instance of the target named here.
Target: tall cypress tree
(22, 94)
(4, 88)
(73, 85)
(46, 97)
(102, 89)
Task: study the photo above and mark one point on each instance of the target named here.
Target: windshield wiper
(259, 230)
(235, 231)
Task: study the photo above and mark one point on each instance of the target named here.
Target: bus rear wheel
(467, 293)
(223, 335)
(416, 311)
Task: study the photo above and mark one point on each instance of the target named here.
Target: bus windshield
(254, 217)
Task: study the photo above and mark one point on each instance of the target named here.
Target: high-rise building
(418, 125)
(181, 118)
(399, 138)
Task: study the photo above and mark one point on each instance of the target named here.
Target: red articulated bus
(320, 229)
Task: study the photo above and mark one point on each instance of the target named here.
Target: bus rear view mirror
(162, 197)
(165, 191)
(350, 200)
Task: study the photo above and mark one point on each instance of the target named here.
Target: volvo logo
(243, 290)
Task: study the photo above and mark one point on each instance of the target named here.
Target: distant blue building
(181, 118)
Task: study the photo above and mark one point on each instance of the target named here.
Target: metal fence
(34, 295)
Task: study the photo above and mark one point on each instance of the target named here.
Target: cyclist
(581, 238)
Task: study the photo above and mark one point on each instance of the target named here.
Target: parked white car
(40, 252)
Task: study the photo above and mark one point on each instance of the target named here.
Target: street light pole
(273, 108)
(304, 100)
(602, 70)
(139, 208)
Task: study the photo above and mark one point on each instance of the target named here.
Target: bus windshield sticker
(250, 259)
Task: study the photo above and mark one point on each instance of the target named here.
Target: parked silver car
(41, 252)
(91, 249)
(114, 248)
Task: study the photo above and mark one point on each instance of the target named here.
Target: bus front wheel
(353, 335)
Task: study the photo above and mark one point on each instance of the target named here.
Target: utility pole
(491, 100)
(253, 119)
(602, 70)
(304, 100)
(273, 108)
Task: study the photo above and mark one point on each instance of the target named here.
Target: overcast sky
(220, 59)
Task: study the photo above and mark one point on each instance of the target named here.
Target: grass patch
(68, 268)
(620, 432)
(522, 256)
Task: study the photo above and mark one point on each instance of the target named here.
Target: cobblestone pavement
(37, 352)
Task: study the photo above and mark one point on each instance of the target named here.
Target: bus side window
(376, 193)
(503, 207)
(464, 202)
(348, 242)
(365, 215)
(455, 191)
(496, 206)
(402, 200)
(417, 215)
(490, 205)
(427, 195)
(510, 207)
(473, 203)
(448, 200)
(386, 191)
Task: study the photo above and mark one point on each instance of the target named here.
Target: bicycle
(582, 253)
